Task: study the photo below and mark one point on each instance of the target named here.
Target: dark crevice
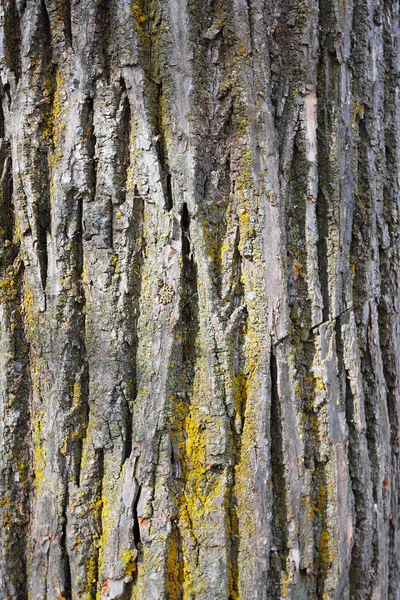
(78, 461)
(189, 308)
(185, 229)
(80, 301)
(136, 525)
(128, 434)
(124, 136)
(12, 38)
(6, 200)
(111, 219)
(68, 21)
(42, 206)
(104, 20)
(371, 393)
(329, 74)
(250, 21)
(236, 287)
(168, 192)
(161, 146)
(323, 232)
(67, 583)
(186, 353)
(237, 426)
(83, 417)
(279, 546)
(90, 142)
(137, 259)
(43, 228)
(2, 123)
(99, 453)
(189, 297)
(78, 252)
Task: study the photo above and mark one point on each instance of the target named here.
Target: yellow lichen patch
(325, 555)
(173, 567)
(358, 112)
(239, 393)
(115, 262)
(39, 451)
(8, 288)
(129, 560)
(166, 294)
(108, 501)
(202, 490)
(76, 395)
(91, 577)
(139, 14)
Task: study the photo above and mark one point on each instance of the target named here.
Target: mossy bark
(199, 300)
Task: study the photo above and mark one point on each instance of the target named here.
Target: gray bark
(199, 299)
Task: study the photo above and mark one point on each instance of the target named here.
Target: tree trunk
(199, 300)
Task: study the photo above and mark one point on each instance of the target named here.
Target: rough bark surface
(199, 299)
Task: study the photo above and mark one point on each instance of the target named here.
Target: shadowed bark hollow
(199, 300)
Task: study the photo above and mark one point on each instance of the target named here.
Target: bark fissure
(12, 39)
(67, 583)
(279, 550)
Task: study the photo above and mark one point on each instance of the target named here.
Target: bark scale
(199, 299)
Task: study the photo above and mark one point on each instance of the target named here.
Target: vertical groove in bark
(67, 583)
(93, 573)
(327, 190)
(124, 140)
(43, 216)
(184, 438)
(67, 21)
(239, 384)
(12, 38)
(278, 555)
(360, 567)
(104, 19)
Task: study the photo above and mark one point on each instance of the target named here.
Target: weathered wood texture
(200, 299)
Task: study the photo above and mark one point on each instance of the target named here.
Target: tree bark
(199, 299)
